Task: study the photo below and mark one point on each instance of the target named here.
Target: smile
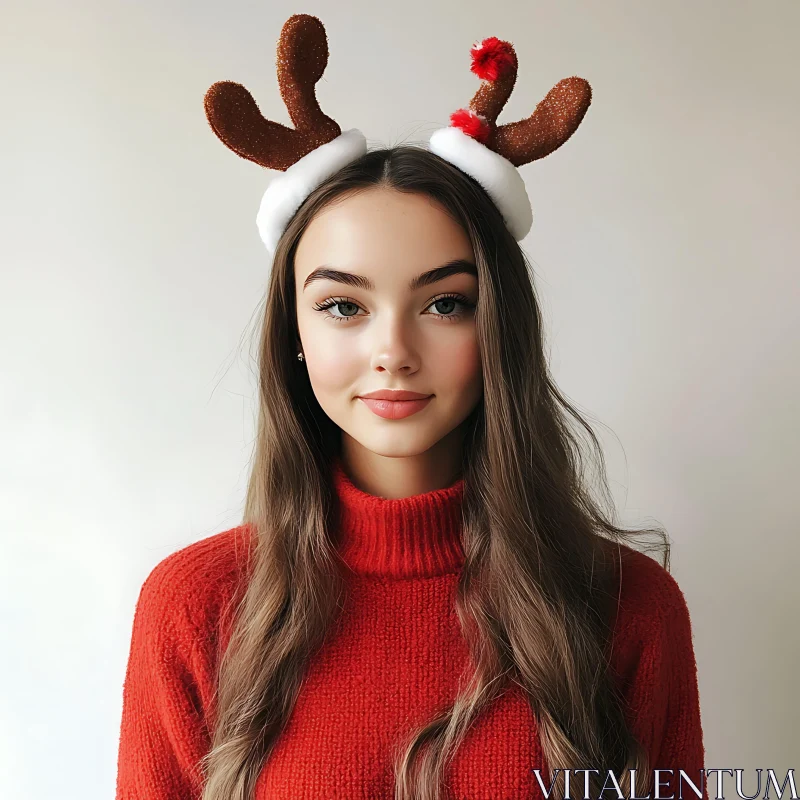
(395, 409)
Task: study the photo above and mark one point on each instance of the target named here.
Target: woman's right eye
(325, 307)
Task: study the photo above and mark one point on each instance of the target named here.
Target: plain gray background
(664, 242)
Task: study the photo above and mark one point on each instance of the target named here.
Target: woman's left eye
(447, 301)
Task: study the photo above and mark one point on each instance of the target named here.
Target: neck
(406, 537)
(440, 466)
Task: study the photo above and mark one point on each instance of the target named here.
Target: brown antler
(496, 62)
(234, 116)
(553, 121)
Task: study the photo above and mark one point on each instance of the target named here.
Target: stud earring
(300, 356)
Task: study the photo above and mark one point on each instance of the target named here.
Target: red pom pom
(491, 58)
(472, 124)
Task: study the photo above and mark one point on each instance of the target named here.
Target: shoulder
(645, 590)
(653, 665)
(176, 644)
(191, 587)
(652, 614)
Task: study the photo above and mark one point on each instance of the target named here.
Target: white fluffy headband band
(316, 147)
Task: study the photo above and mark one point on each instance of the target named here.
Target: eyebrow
(458, 266)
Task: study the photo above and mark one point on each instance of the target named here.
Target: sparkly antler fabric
(553, 121)
(235, 118)
(316, 148)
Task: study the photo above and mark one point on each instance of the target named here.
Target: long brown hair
(535, 598)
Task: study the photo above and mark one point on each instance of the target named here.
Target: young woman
(424, 600)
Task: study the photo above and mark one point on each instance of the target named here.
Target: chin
(403, 442)
(396, 446)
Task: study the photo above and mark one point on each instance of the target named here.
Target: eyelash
(335, 301)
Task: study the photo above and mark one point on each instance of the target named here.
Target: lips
(395, 409)
(394, 394)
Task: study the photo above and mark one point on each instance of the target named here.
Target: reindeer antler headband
(316, 148)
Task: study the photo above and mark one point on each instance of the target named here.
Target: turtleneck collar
(408, 537)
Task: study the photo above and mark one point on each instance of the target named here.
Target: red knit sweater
(394, 658)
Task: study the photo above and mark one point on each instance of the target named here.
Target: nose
(393, 348)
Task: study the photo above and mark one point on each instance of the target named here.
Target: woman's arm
(682, 735)
(163, 732)
(662, 688)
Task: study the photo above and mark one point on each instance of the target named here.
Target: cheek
(459, 365)
(331, 366)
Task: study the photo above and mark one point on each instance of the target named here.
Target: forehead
(381, 229)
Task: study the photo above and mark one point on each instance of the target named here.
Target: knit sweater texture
(393, 659)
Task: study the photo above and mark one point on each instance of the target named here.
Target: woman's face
(377, 330)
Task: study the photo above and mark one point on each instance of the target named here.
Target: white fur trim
(495, 173)
(290, 188)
